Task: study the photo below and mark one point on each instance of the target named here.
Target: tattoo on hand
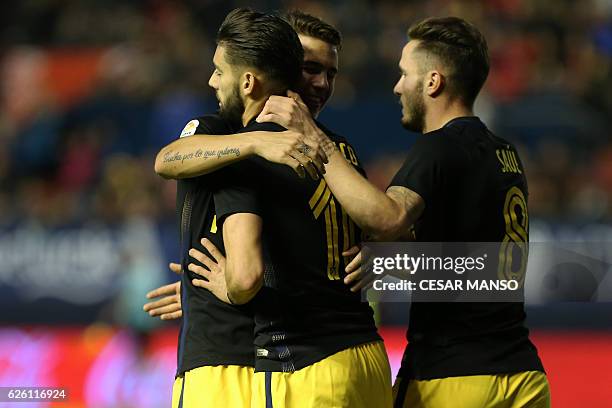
(201, 154)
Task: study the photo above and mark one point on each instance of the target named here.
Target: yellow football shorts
(358, 377)
(525, 389)
(213, 387)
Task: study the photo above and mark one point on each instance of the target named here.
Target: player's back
(304, 312)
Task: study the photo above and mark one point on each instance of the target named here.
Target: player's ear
(434, 83)
(248, 83)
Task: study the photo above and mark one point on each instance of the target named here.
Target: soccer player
(459, 183)
(310, 330)
(215, 353)
(319, 70)
(316, 342)
(321, 42)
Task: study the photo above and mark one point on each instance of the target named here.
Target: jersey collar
(464, 119)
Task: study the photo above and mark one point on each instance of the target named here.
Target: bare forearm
(238, 293)
(201, 154)
(244, 276)
(370, 208)
(244, 266)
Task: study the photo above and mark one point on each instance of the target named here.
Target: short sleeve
(242, 187)
(421, 171)
(206, 125)
(238, 191)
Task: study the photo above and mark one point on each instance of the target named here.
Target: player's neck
(252, 109)
(439, 115)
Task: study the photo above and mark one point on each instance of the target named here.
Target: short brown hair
(263, 41)
(307, 24)
(460, 47)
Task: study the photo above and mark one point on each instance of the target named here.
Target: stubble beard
(414, 119)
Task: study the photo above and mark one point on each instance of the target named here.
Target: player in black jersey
(458, 183)
(284, 238)
(344, 321)
(215, 355)
(321, 43)
(310, 330)
(215, 352)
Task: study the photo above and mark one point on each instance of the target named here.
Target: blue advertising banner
(82, 273)
(97, 272)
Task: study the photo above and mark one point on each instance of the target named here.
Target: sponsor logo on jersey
(190, 128)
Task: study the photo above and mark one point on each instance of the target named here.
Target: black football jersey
(304, 312)
(212, 332)
(475, 190)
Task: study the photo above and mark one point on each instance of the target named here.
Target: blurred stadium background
(90, 90)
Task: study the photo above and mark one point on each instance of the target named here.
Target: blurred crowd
(92, 89)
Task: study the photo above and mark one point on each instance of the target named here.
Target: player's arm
(201, 154)
(244, 265)
(382, 216)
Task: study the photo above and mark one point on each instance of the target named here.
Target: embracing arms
(201, 154)
(244, 266)
(233, 279)
(383, 216)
